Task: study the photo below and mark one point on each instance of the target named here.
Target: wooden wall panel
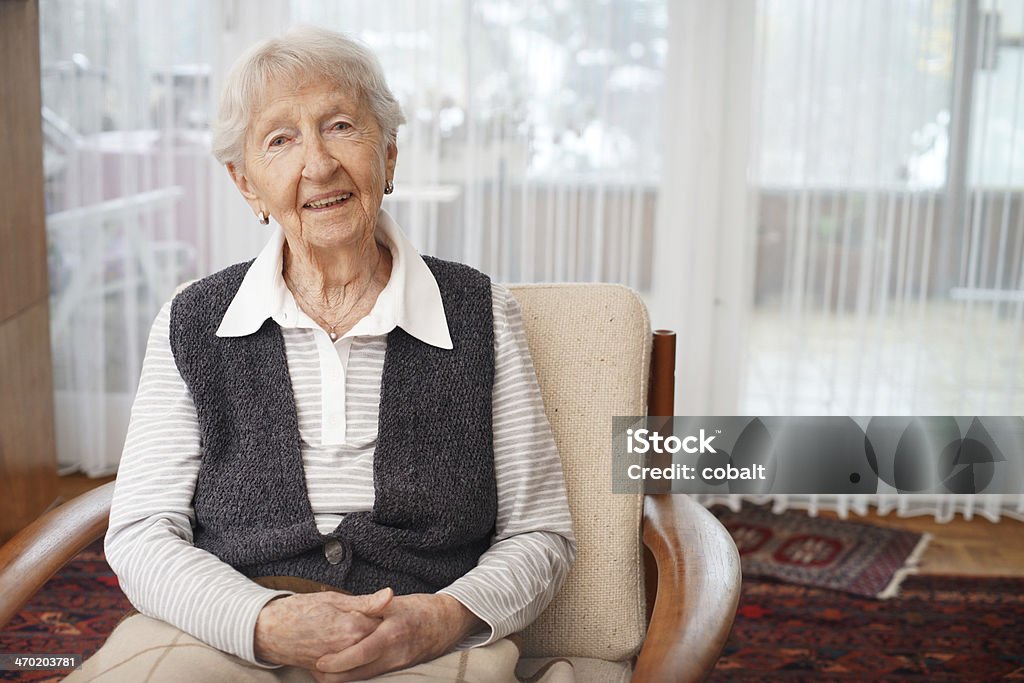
(27, 442)
(22, 228)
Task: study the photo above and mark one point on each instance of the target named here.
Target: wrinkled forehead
(281, 94)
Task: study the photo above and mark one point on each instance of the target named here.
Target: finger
(347, 629)
(366, 651)
(371, 605)
(377, 602)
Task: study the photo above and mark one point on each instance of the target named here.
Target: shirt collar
(410, 300)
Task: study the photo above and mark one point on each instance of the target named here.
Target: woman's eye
(278, 141)
(341, 125)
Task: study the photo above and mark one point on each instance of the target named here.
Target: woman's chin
(335, 234)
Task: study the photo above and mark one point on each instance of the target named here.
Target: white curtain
(822, 198)
(888, 233)
(125, 90)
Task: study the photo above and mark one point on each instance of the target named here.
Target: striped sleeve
(533, 546)
(149, 541)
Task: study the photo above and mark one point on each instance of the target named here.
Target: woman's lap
(152, 651)
(145, 650)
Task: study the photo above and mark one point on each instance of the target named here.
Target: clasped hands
(342, 638)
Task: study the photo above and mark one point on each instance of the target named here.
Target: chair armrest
(699, 583)
(36, 552)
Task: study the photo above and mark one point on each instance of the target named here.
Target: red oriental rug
(940, 629)
(843, 555)
(73, 614)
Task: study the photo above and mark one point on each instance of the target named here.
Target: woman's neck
(337, 288)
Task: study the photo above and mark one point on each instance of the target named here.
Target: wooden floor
(974, 548)
(72, 485)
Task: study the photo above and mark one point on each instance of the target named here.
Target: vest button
(334, 551)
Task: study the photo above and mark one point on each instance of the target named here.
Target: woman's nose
(319, 164)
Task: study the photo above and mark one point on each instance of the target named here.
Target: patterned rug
(940, 629)
(843, 555)
(73, 614)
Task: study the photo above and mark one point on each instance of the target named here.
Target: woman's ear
(389, 161)
(244, 186)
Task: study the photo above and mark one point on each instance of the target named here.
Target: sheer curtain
(125, 89)
(888, 233)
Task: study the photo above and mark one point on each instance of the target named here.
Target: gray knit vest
(433, 467)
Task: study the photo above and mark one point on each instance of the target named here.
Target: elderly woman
(338, 463)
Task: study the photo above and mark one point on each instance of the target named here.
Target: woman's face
(316, 161)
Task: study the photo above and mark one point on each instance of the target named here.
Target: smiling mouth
(327, 201)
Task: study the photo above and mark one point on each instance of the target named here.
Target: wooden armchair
(591, 346)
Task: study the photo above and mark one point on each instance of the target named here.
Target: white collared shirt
(337, 390)
(410, 300)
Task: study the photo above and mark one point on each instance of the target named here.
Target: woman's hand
(416, 628)
(299, 629)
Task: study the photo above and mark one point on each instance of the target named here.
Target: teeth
(330, 201)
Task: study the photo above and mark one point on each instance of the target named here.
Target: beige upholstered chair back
(591, 349)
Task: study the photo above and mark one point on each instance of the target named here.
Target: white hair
(304, 54)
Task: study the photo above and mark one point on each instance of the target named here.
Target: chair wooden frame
(695, 583)
(694, 579)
